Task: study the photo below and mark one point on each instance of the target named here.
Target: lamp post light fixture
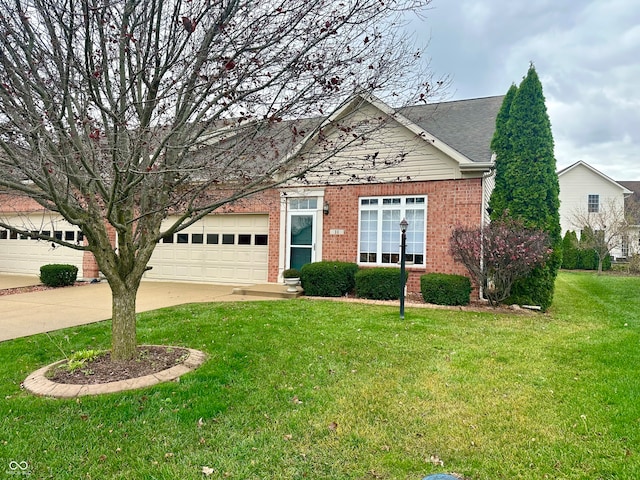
(403, 250)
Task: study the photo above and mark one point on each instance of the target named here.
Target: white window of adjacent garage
(379, 233)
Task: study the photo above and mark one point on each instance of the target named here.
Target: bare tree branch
(116, 114)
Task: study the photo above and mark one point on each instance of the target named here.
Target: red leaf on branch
(188, 24)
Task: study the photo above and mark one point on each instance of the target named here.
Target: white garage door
(24, 255)
(229, 248)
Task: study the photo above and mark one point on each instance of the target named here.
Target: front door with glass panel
(302, 231)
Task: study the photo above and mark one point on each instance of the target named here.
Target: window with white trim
(379, 235)
(593, 204)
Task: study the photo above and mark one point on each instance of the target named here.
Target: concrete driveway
(26, 314)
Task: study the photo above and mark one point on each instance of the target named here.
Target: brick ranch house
(443, 180)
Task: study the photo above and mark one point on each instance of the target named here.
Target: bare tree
(605, 230)
(116, 114)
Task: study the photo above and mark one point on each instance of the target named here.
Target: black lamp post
(403, 250)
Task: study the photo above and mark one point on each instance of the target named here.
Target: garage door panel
(26, 256)
(214, 260)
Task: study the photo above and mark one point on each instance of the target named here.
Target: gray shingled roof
(634, 186)
(465, 125)
(632, 202)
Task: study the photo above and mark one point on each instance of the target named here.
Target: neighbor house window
(379, 235)
(593, 205)
(625, 246)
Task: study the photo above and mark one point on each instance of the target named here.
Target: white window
(380, 237)
(625, 246)
(593, 205)
(308, 203)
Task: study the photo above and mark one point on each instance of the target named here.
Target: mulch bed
(35, 288)
(149, 360)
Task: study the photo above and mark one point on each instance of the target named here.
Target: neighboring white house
(585, 190)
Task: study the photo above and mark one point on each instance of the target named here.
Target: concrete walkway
(26, 314)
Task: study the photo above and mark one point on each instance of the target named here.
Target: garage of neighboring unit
(221, 248)
(24, 255)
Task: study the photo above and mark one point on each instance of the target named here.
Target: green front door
(301, 239)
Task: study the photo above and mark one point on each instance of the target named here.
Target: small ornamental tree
(498, 254)
(604, 230)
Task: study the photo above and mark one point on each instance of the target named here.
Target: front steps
(271, 290)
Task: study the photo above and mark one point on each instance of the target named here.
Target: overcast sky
(586, 53)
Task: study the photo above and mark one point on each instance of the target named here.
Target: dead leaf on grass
(207, 471)
(435, 460)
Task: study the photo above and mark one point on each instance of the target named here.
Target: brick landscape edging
(38, 383)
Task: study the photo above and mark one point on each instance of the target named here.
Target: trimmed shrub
(291, 273)
(381, 283)
(444, 289)
(588, 260)
(328, 279)
(58, 275)
(570, 251)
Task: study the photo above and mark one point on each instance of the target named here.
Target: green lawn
(320, 389)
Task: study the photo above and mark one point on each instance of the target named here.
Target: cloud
(586, 54)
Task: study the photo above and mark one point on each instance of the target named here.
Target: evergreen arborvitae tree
(570, 251)
(528, 188)
(501, 146)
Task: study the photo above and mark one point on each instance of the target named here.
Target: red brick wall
(449, 203)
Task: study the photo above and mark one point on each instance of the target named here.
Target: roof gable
(581, 164)
(462, 129)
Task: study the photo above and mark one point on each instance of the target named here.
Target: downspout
(488, 184)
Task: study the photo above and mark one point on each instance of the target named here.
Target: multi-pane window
(593, 204)
(307, 203)
(380, 236)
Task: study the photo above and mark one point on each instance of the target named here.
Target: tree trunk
(123, 326)
(600, 257)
